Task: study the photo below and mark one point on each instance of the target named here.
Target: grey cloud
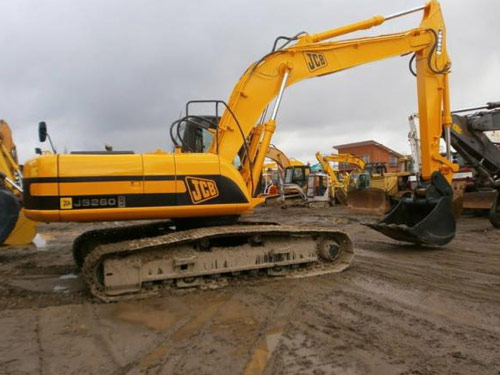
(120, 72)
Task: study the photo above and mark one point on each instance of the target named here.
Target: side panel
(212, 186)
(89, 184)
(160, 185)
(41, 191)
(132, 187)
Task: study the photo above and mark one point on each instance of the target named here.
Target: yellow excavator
(281, 159)
(339, 189)
(273, 186)
(293, 178)
(203, 194)
(15, 228)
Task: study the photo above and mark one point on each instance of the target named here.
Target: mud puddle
(49, 283)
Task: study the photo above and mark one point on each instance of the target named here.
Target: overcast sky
(120, 71)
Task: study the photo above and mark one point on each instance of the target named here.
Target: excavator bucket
(370, 201)
(479, 200)
(495, 212)
(23, 233)
(341, 196)
(426, 220)
(9, 213)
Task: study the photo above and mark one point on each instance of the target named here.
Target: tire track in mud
(177, 348)
(348, 323)
(269, 342)
(237, 334)
(236, 340)
(41, 365)
(162, 354)
(433, 275)
(396, 310)
(180, 325)
(386, 333)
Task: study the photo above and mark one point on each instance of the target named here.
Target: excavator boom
(276, 191)
(313, 56)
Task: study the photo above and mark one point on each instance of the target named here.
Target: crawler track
(140, 268)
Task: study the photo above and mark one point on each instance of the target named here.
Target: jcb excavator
(15, 228)
(339, 189)
(205, 193)
(279, 157)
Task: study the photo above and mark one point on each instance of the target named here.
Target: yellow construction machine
(281, 159)
(273, 180)
(203, 194)
(339, 186)
(375, 191)
(365, 189)
(15, 228)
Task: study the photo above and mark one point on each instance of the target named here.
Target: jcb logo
(66, 203)
(201, 189)
(315, 60)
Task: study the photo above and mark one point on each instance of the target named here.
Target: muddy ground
(399, 309)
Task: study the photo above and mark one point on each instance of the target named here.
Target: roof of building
(370, 142)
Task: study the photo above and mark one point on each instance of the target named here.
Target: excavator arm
(279, 157)
(426, 217)
(344, 158)
(314, 56)
(325, 160)
(338, 188)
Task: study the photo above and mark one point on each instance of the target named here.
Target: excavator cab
(317, 186)
(359, 180)
(296, 180)
(197, 134)
(424, 218)
(297, 174)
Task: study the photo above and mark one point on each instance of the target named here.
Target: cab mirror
(42, 131)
